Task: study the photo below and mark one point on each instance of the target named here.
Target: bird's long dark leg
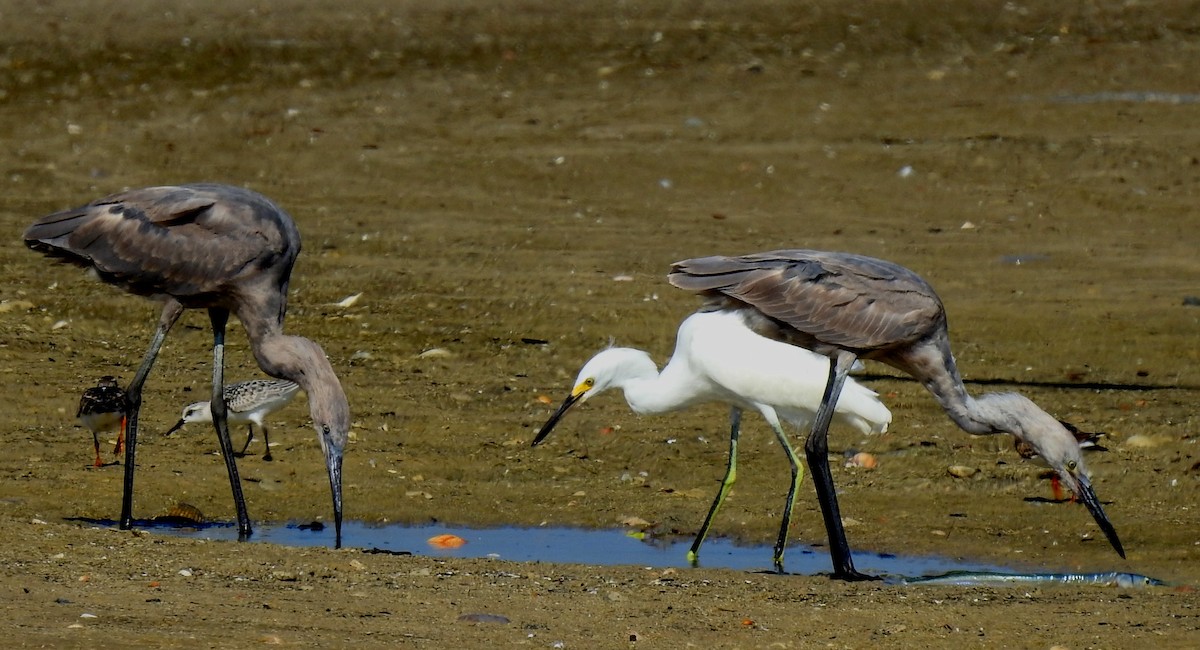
(220, 418)
(266, 444)
(249, 438)
(816, 451)
(797, 476)
(735, 429)
(133, 394)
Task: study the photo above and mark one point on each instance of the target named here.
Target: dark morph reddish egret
(850, 306)
(246, 402)
(102, 408)
(215, 247)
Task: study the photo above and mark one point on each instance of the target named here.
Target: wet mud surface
(506, 185)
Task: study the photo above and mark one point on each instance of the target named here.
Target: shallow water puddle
(562, 545)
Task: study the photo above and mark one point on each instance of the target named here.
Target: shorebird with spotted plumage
(102, 408)
(249, 403)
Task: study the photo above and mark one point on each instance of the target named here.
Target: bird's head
(1060, 449)
(301, 360)
(610, 368)
(194, 412)
(330, 413)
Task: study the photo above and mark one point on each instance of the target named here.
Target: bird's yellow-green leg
(735, 427)
(797, 476)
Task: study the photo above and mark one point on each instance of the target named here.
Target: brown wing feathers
(826, 299)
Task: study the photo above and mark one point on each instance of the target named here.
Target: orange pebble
(446, 541)
(545, 399)
(862, 459)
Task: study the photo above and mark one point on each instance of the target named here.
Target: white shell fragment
(348, 301)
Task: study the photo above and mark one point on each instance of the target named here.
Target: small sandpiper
(249, 402)
(103, 408)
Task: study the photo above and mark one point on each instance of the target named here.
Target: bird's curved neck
(970, 414)
(650, 391)
(302, 361)
(931, 363)
(990, 413)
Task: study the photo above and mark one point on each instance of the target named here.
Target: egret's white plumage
(718, 358)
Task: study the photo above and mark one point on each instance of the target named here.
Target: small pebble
(961, 471)
(1023, 258)
(1140, 441)
(862, 459)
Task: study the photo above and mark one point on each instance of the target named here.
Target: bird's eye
(589, 382)
(1071, 465)
(325, 429)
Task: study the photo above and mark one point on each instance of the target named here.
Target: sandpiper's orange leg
(120, 437)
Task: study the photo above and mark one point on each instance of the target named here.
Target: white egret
(719, 359)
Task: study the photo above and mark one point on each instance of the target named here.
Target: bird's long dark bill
(333, 462)
(562, 410)
(178, 426)
(1088, 496)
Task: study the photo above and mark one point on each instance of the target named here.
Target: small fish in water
(996, 579)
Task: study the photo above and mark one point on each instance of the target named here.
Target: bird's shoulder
(171, 239)
(827, 299)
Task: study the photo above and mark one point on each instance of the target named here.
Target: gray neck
(932, 363)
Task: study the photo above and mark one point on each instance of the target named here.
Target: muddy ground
(493, 174)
